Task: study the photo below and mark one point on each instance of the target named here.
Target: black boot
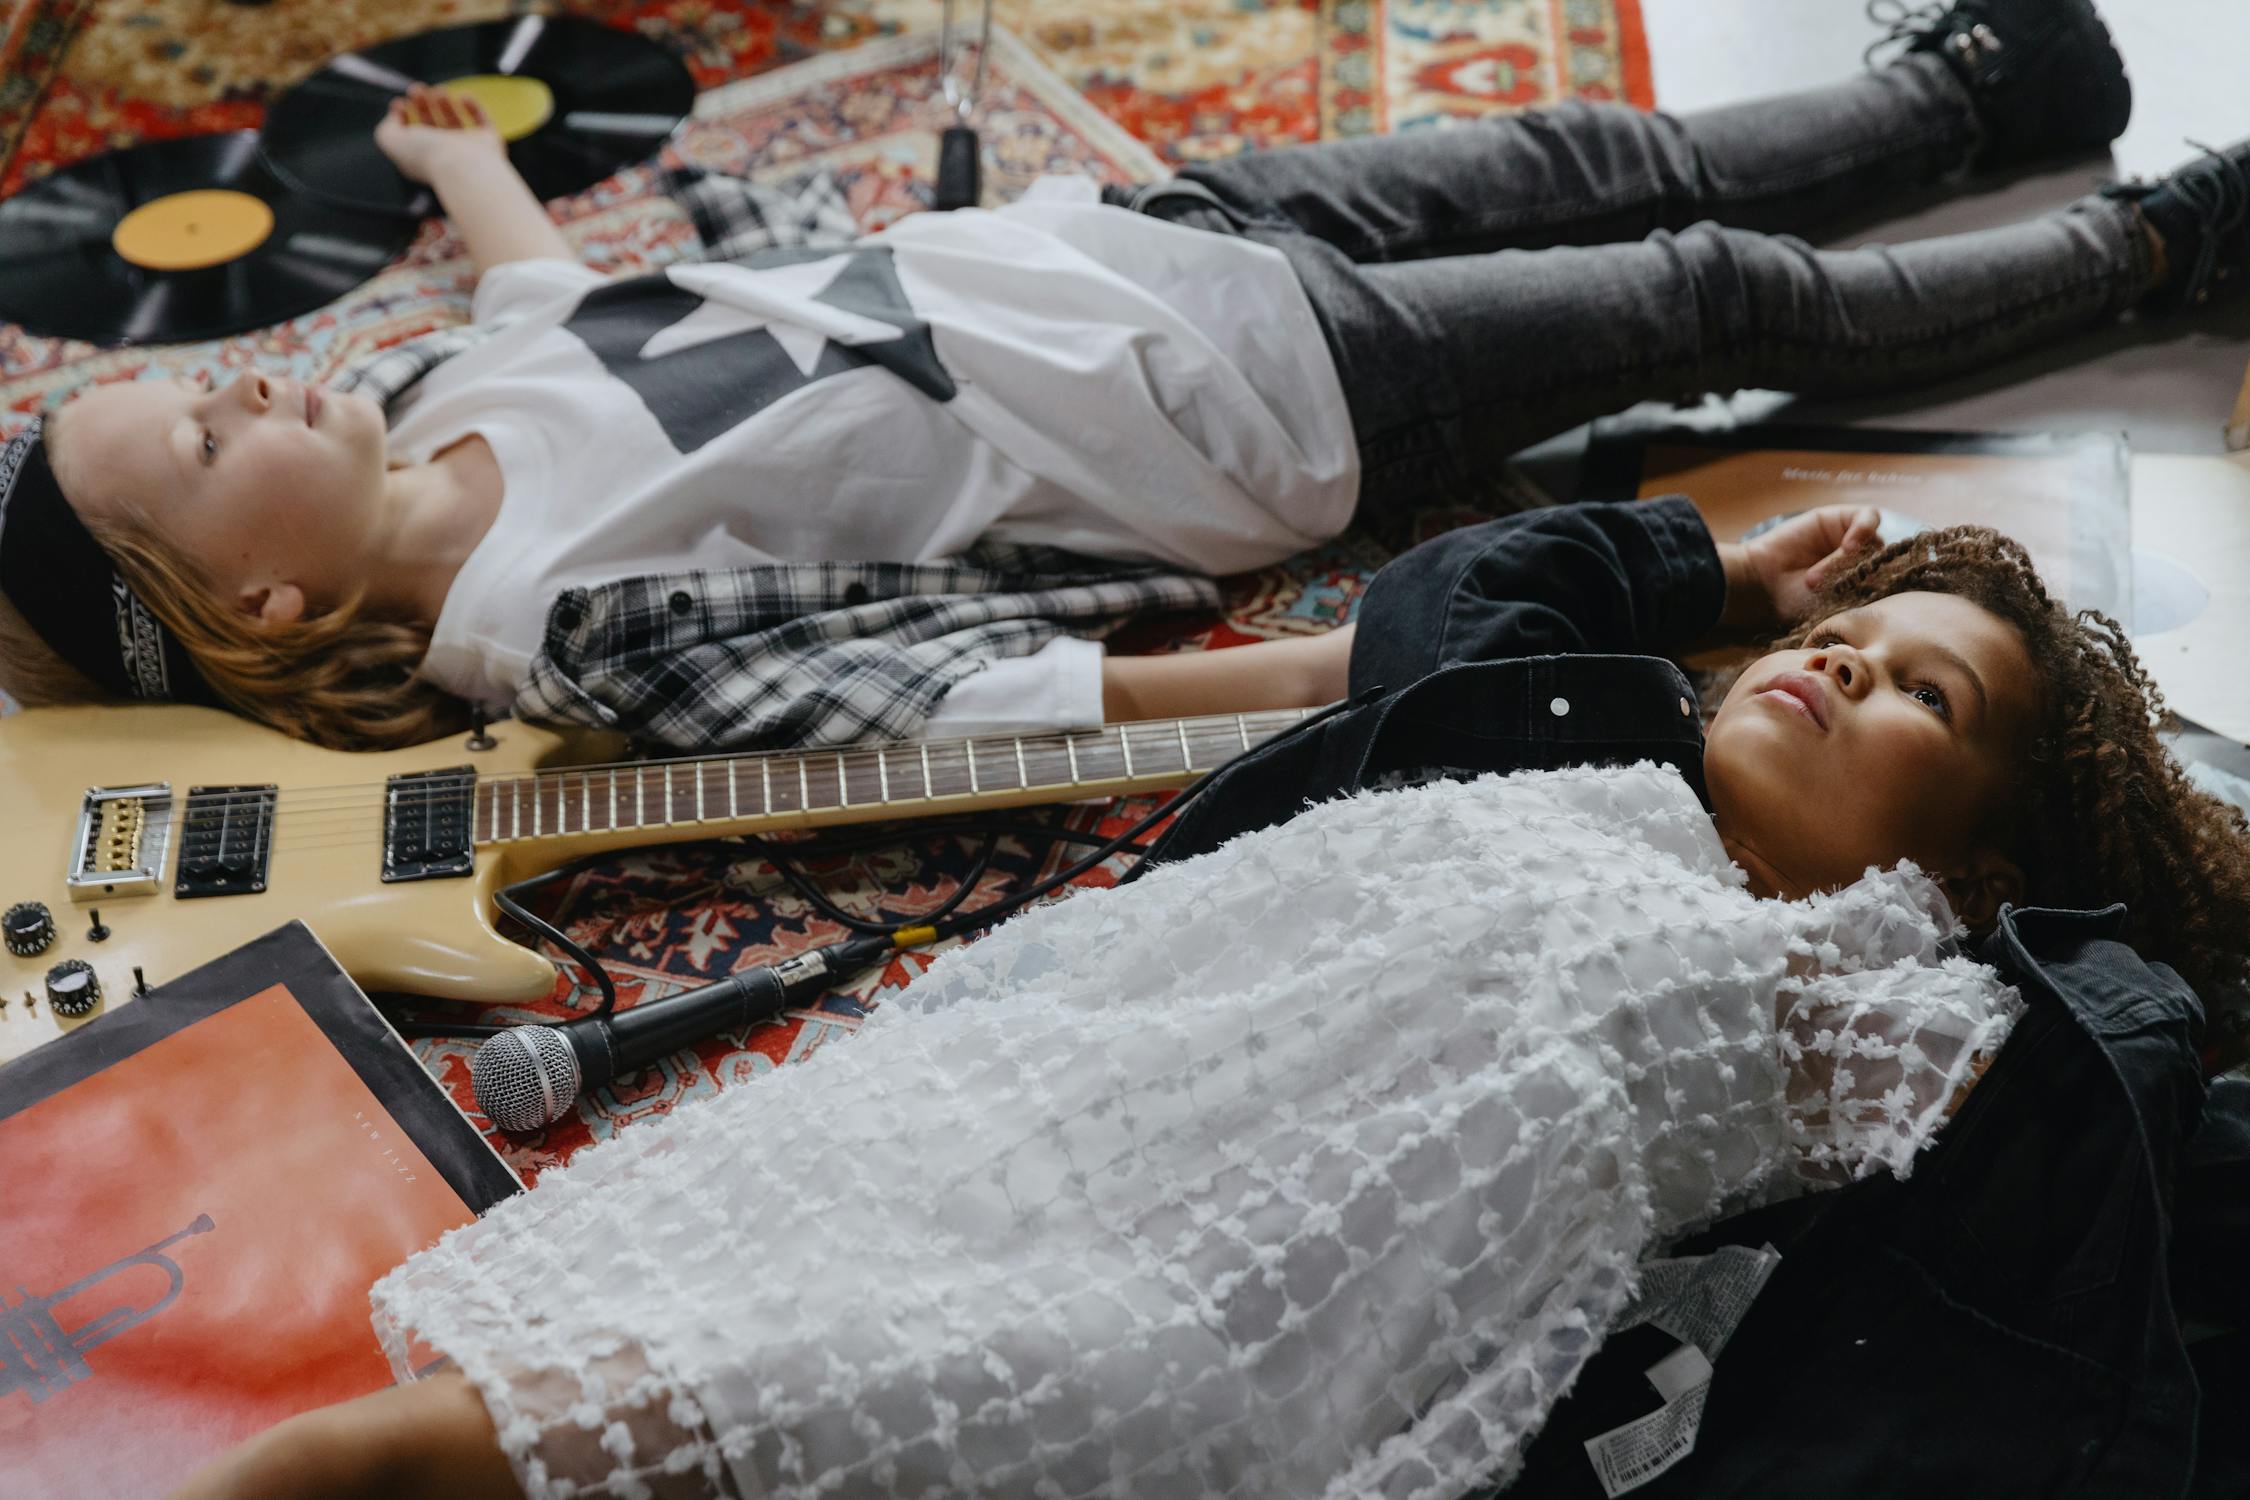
(2201, 212)
(2043, 74)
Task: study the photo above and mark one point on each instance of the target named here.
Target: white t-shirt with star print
(1056, 372)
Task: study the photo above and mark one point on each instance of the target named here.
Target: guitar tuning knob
(28, 928)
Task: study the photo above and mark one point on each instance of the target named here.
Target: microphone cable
(785, 861)
(873, 941)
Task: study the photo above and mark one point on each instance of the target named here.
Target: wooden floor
(2168, 387)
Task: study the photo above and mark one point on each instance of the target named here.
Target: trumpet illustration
(39, 1355)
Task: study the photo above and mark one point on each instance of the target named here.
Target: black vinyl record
(616, 98)
(61, 274)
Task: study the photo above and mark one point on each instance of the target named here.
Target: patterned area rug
(676, 918)
(1203, 79)
(1194, 79)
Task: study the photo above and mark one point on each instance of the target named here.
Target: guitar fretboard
(881, 779)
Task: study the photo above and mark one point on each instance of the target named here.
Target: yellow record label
(191, 230)
(516, 105)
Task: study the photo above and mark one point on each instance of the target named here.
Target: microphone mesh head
(525, 1077)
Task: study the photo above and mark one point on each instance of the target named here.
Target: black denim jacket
(2007, 1320)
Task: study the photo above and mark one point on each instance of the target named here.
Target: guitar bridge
(226, 839)
(123, 833)
(428, 823)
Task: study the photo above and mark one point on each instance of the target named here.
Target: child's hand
(427, 129)
(1771, 578)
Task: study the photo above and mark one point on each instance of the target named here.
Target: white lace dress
(1314, 1166)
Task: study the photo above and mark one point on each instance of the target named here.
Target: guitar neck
(714, 794)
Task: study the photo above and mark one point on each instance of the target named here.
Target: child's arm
(447, 142)
(1304, 673)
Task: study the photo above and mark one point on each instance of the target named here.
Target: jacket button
(1559, 707)
(682, 602)
(1685, 710)
(856, 594)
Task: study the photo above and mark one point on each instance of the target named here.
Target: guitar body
(431, 937)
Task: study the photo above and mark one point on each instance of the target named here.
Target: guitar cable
(820, 969)
(785, 864)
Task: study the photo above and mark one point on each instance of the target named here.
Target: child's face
(261, 482)
(1893, 734)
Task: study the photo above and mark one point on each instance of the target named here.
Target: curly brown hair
(2102, 810)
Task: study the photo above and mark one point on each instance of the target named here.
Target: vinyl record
(577, 101)
(177, 241)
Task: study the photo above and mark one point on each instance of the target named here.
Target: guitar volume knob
(72, 989)
(28, 928)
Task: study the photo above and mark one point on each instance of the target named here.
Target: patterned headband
(70, 592)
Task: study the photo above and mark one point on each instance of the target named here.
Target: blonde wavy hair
(340, 678)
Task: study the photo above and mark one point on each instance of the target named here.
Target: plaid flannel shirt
(793, 653)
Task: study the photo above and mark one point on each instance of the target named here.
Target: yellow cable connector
(913, 937)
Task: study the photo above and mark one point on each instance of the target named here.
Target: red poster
(189, 1233)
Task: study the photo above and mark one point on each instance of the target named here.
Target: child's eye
(1932, 697)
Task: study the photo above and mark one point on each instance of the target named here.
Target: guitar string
(342, 826)
(1163, 730)
(1159, 737)
(332, 825)
(371, 839)
(999, 767)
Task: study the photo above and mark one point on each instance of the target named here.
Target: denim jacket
(2005, 1321)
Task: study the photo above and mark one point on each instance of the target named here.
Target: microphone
(530, 1076)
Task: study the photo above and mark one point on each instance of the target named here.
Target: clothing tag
(1699, 1301)
(1627, 1457)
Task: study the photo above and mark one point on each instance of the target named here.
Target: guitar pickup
(226, 841)
(122, 834)
(428, 824)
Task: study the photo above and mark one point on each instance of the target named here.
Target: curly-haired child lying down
(1320, 1161)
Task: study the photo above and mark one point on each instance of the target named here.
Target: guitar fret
(1023, 777)
(667, 794)
(883, 773)
(535, 809)
(843, 783)
(515, 808)
(1242, 729)
(969, 749)
(699, 813)
(1125, 743)
(765, 781)
(1070, 748)
(1187, 761)
(804, 786)
(734, 793)
(640, 797)
(928, 793)
(613, 797)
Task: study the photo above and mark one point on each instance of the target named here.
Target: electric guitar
(144, 841)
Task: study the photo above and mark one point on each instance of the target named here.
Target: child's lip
(1805, 693)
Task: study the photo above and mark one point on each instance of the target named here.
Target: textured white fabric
(1314, 1166)
(1052, 373)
